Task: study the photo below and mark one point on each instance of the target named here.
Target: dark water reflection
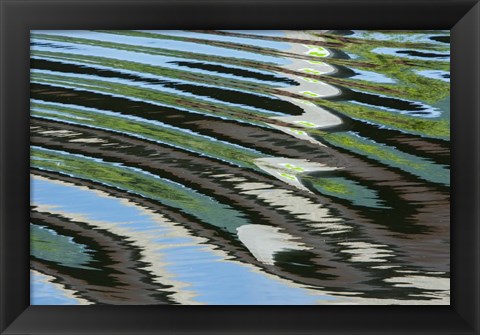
(240, 167)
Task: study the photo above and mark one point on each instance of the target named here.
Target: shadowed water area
(240, 167)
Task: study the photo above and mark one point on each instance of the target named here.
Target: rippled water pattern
(240, 167)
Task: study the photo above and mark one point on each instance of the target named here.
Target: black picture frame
(18, 17)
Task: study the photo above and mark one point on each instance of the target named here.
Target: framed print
(306, 167)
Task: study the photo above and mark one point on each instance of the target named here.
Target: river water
(240, 167)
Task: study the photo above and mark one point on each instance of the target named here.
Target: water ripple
(240, 167)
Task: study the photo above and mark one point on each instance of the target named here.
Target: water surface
(240, 167)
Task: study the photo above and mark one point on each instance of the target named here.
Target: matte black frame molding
(18, 17)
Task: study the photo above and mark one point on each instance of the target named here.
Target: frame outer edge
(3, 284)
(13, 119)
(476, 315)
(2, 167)
(466, 159)
(471, 316)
